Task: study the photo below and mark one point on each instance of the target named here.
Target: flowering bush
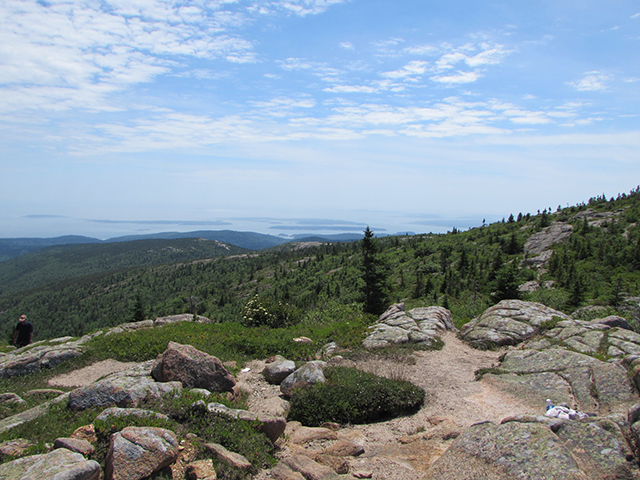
(267, 312)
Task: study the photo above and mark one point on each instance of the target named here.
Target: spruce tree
(374, 292)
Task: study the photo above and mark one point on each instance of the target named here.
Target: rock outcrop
(421, 326)
(509, 322)
(537, 247)
(591, 449)
(36, 357)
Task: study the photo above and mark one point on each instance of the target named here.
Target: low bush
(265, 312)
(351, 396)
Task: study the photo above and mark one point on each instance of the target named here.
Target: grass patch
(351, 396)
(481, 372)
(238, 436)
(58, 422)
(229, 341)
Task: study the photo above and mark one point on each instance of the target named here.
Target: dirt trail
(404, 448)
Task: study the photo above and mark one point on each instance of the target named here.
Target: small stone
(362, 474)
(232, 459)
(87, 432)
(303, 340)
(75, 445)
(200, 470)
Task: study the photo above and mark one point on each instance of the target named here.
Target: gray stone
(137, 452)
(14, 448)
(541, 241)
(310, 469)
(278, 369)
(594, 383)
(613, 321)
(11, 398)
(505, 452)
(310, 373)
(36, 357)
(75, 445)
(31, 414)
(200, 470)
(121, 390)
(118, 412)
(232, 459)
(184, 317)
(60, 464)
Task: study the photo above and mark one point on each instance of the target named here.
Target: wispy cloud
(591, 82)
(298, 7)
(410, 70)
(61, 55)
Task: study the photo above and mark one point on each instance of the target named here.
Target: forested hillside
(53, 264)
(595, 263)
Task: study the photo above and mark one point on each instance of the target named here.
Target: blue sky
(283, 117)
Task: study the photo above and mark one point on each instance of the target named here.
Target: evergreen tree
(506, 283)
(138, 309)
(374, 291)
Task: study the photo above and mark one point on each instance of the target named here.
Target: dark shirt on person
(24, 329)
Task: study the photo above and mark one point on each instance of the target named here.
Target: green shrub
(263, 311)
(550, 324)
(352, 396)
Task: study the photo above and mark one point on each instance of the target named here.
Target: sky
(123, 117)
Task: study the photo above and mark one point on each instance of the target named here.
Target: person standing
(23, 333)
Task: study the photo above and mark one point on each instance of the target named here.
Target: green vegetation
(63, 262)
(231, 341)
(353, 396)
(598, 264)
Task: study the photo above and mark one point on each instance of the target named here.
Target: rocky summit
(488, 388)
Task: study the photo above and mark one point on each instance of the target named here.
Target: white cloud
(591, 82)
(411, 69)
(457, 78)
(422, 50)
(297, 7)
(636, 15)
(351, 89)
(82, 51)
(347, 46)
